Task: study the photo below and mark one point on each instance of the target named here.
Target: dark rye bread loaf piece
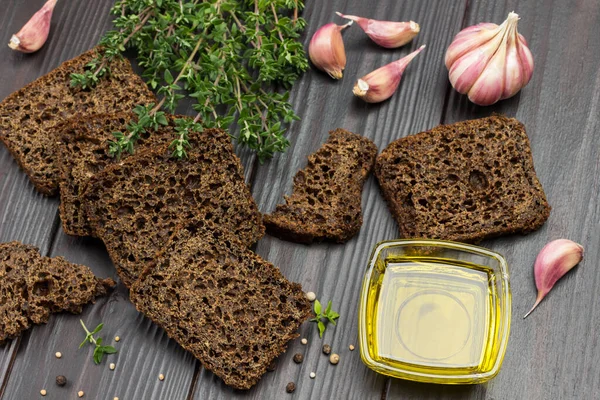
(231, 309)
(29, 117)
(135, 205)
(465, 182)
(82, 151)
(326, 199)
(32, 287)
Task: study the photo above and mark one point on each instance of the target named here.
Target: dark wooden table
(551, 355)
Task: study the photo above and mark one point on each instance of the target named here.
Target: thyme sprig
(99, 350)
(328, 315)
(232, 57)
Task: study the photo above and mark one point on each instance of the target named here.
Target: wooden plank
(335, 271)
(552, 354)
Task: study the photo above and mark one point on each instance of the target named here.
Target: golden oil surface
(432, 314)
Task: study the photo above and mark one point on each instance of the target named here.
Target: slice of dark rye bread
(326, 199)
(32, 287)
(29, 116)
(465, 182)
(82, 151)
(231, 309)
(135, 205)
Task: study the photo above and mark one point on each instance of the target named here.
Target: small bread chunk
(326, 199)
(82, 152)
(32, 287)
(465, 182)
(29, 117)
(135, 205)
(231, 309)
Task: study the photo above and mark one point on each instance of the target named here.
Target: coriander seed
(351, 347)
(161, 377)
(311, 296)
(290, 387)
(112, 366)
(312, 375)
(80, 393)
(43, 392)
(334, 359)
(58, 354)
(326, 349)
(61, 380)
(117, 338)
(298, 358)
(304, 341)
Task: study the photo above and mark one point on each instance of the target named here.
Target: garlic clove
(326, 49)
(468, 42)
(552, 263)
(526, 59)
(381, 84)
(34, 33)
(388, 34)
(514, 72)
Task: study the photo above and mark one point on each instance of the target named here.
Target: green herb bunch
(99, 350)
(328, 315)
(232, 57)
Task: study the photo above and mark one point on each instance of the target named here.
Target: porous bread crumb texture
(29, 117)
(135, 205)
(325, 203)
(32, 287)
(231, 309)
(82, 151)
(465, 182)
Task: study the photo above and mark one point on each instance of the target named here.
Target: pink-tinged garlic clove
(552, 263)
(489, 62)
(388, 34)
(381, 84)
(326, 49)
(34, 33)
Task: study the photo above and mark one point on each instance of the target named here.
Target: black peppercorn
(61, 380)
(271, 366)
(326, 349)
(298, 358)
(290, 387)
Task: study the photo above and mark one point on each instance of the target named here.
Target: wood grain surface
(551, 355)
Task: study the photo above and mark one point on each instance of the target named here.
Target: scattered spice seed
(351, 347)
(304, 341)
(290, 387)
(312, 375)
(43, 392)
(326, 349)
(116, 398)
(80, 393)
(58, 354)
(61, 380)
(112, 366)
(298, 358)
(161, 377)
(271, 366)
(334, 359)
(311, 296)
(117, 338)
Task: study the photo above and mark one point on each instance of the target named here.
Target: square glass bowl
(435, 311)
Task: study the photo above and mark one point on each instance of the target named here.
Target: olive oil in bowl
(435, 314)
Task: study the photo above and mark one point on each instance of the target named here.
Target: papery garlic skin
(326, 49)
(552, 263)
(388, 34)
(34, 33)
(381, 84)
(489, 62)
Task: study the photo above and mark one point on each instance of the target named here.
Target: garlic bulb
(489, 62)
(34, 33)
(326, 49)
